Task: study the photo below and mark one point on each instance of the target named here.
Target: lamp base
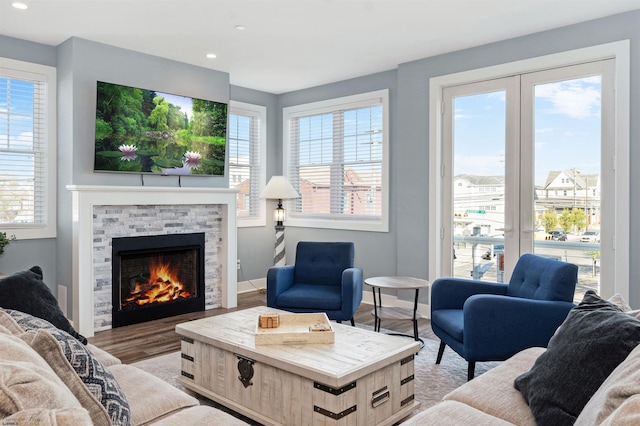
(279, 256)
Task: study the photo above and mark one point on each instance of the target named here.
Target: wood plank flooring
(149, 339)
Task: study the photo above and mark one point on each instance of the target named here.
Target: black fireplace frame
(139, 245)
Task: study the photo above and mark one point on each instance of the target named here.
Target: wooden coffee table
(363, 378)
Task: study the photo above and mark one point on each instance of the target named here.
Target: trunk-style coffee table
(363, 378)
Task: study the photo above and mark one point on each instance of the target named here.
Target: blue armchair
(484, 321)
(322, 279)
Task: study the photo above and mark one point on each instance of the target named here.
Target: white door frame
(618, 281)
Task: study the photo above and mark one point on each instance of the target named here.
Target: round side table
(396, 283)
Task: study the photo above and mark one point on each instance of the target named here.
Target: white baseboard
(252, 285)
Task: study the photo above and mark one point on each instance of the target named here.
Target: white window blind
(24, 144)
(337, 159)
(246, 162)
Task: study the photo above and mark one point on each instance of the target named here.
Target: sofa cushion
(593, 340)
(493, 391)
(150, 397)
(312, 296)
(91, 371)
(200, 415)
(25, 291)
(27, 381)
(451, 321)
(49, 417)
(628, 414)
(449, 413)
(103, 356)
(621, 385)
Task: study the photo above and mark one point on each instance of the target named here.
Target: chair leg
(471, 371)
(440, 352)
(353, 322)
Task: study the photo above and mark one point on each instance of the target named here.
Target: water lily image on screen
(145, 131)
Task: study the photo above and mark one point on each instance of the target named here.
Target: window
(336, 156)
(27, 149)
(247, 145)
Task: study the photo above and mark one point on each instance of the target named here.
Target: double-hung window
(336, 157)
(247, 160)
(27, 149)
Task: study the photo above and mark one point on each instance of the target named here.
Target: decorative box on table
(294, 329)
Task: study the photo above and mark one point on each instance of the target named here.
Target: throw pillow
(26, 292)
(619, 301)
(50, 350)
(595, 337)
(27, 381)
(92, 372)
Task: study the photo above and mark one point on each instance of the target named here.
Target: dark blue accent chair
(484, 321)
(323, 279)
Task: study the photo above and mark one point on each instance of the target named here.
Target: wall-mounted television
(147, 131)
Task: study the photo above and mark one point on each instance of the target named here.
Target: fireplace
(102, 213)
(157, 276)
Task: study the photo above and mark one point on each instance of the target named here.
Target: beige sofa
(491, 398)
(40, 386)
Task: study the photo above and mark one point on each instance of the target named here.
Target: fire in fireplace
(156, 277)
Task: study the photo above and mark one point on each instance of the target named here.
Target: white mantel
(85, 197)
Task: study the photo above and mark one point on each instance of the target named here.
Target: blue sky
(567, 130)
(18, 126)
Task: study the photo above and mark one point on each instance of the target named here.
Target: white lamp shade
(279, 188)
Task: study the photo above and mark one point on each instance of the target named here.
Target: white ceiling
(295, 44)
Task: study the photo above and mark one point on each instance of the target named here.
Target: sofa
(46, 380)
(50, 375)
(588, 375)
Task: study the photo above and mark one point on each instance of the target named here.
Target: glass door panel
(567, 162)
(478, 185)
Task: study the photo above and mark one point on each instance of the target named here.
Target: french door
(524, 171)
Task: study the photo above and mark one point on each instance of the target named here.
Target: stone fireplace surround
(101, 213)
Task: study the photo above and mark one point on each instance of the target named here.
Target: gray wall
(23, 254)
(80, 64)
(411, 161)
(375, 252)
(404, 249)
(255, 244)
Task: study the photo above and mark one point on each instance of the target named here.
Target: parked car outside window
(590, 237)
(558, 235)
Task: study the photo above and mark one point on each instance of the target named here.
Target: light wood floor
(149, 339)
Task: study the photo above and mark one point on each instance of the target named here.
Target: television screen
(146, 131)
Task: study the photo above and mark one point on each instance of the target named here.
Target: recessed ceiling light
(240, 27)
(211, 55)
(19, 5)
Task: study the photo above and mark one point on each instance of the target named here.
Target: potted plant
(4, 241)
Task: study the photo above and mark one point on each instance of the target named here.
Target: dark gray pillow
(595, 337)
(26, 292)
